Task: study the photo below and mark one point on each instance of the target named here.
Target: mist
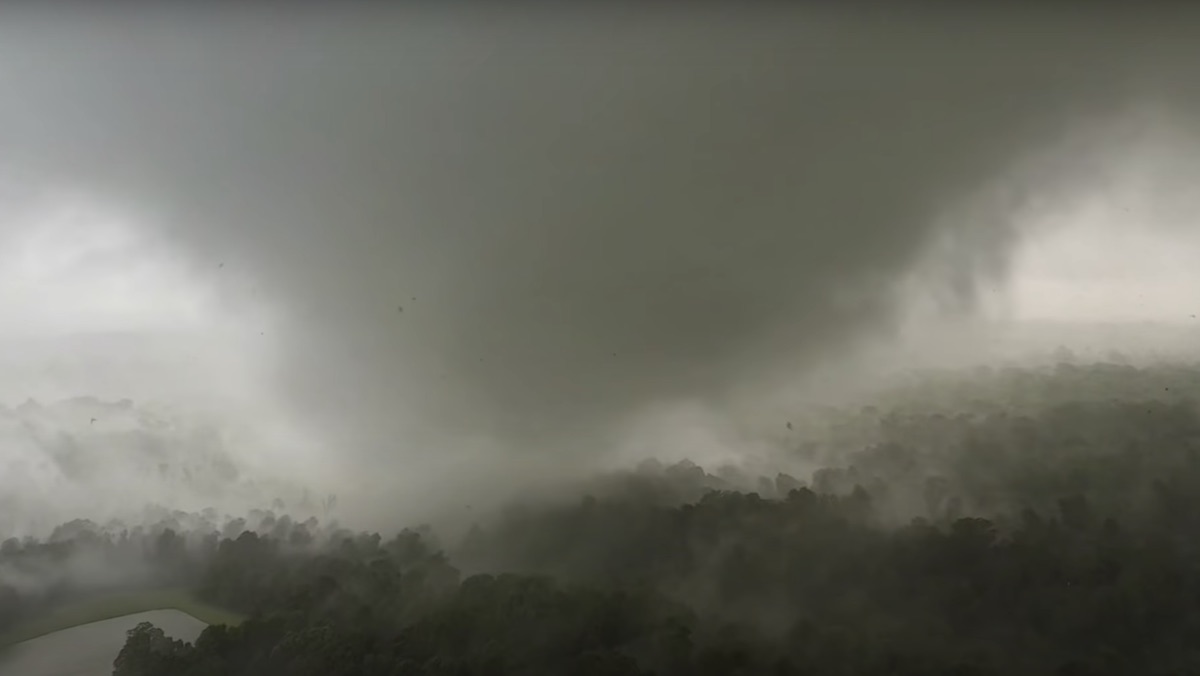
(462, 252)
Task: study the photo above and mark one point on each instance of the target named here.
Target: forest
(1017, 520)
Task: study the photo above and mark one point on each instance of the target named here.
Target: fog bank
(494, 240)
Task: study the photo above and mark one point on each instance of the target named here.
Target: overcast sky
(469, 241)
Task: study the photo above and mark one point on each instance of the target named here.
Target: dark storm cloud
(578, 214)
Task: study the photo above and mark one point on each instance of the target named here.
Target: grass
(108, 606)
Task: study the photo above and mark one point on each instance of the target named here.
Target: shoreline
(111, 606)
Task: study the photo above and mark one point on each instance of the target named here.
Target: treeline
(171, 548)
(803, 585)
(74, 455)
(1005, 538)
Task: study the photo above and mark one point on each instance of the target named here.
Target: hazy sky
(70, 265)
(473, 234)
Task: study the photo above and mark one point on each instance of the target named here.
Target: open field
(115, 605)
(89, 649)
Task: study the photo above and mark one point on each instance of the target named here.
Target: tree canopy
(1037, 521)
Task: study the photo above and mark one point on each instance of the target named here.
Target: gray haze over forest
(485, 245)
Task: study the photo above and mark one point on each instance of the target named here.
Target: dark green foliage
(1026, 534)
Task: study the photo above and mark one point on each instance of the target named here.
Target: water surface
(89, 649)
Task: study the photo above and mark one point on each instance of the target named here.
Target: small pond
(89, 649)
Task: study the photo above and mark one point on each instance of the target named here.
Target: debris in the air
(789, 425)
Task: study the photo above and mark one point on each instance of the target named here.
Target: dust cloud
(496, 242)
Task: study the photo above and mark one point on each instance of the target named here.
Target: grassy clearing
(108, 606)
